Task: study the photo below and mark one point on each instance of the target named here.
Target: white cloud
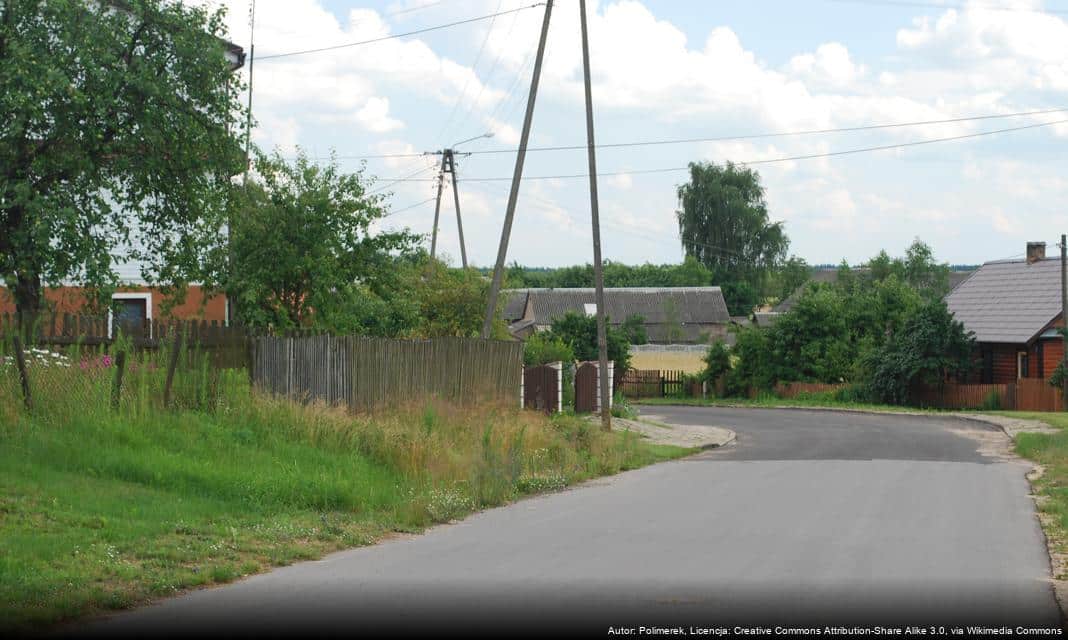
(375, 116)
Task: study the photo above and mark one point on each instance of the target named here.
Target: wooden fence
(368, 373)
(1026, 394)
(652, 383)
(227, 345)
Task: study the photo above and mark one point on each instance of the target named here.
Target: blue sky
(671, 69)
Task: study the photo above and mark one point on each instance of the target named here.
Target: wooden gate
(586, 388)
(541, 388)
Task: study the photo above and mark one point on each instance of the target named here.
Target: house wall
(196, 306)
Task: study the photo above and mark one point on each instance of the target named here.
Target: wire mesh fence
(66, 381)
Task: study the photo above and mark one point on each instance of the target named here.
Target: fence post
(171, 366)
(116, 384)
(24, 376)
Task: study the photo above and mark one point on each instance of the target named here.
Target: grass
(1051, 451)
(103, 509)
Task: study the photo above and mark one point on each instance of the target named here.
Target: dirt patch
(690, 436)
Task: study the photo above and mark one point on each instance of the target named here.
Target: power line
(959, 7)
(753, 136)
(408, 178)
(810, 156)
(401, 35)
(394, 212)
(474, 66)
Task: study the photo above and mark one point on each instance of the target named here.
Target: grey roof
(766, 318)
(1008, 300)
(697, 305)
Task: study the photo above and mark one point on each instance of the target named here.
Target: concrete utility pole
(598, 272)
(456, 201)
(448, 165)
(1064, 320)
(509, 215)
(437, 205)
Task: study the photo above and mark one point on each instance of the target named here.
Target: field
(106, 507)
(686, 361)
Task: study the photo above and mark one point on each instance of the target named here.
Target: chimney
(1036, 251)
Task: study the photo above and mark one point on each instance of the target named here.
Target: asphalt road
(808, 518)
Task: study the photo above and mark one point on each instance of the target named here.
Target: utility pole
(437, 205)
(509, 215)
(1064, 320)
(231, 306)
(456, 202)
(598, 272)
(448, 165)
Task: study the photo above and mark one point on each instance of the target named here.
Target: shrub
(717, 361)
(543, 348)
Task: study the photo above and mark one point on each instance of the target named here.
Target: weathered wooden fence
(368, 373)
(543, 388)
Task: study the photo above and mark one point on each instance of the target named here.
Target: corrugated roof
(702, 305)
(1008, 301)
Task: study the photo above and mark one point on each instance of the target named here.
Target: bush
(543, 348)
(717, 361)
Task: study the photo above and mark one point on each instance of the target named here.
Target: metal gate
(541, 386)
(586, 388)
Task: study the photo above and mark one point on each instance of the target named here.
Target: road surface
(808, 518)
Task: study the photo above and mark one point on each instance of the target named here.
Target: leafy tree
(580, 333)
(544, 347)
(303, 249)
(717, 361)
(118, 136)
(634, 328)
(723, 222)
(790, 276)
(452, 302)
(930, 348)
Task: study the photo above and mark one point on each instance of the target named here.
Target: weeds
(104, 508)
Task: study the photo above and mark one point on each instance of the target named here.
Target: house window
(1040, 365)
(1021, 364)
(129, 314)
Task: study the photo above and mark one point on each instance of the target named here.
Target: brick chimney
(1036, 251)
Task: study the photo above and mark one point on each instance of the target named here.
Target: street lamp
(484, 135)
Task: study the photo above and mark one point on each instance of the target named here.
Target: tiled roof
(688, 305)
(1008, 301)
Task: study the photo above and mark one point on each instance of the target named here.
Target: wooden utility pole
(1064, 321)
(517, 174)
(598, 272)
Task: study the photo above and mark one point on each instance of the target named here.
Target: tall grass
(104, 508)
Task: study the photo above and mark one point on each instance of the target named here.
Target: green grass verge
(102, 510)
(1051, 451)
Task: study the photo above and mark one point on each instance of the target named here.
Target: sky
(675, 69)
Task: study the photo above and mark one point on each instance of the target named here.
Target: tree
(544, 347)
(118, 136)
(930, 348)
(634, 328)
(303, 250)
(790, 276)
(580, 333)
(723, 222)
(717, 361)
